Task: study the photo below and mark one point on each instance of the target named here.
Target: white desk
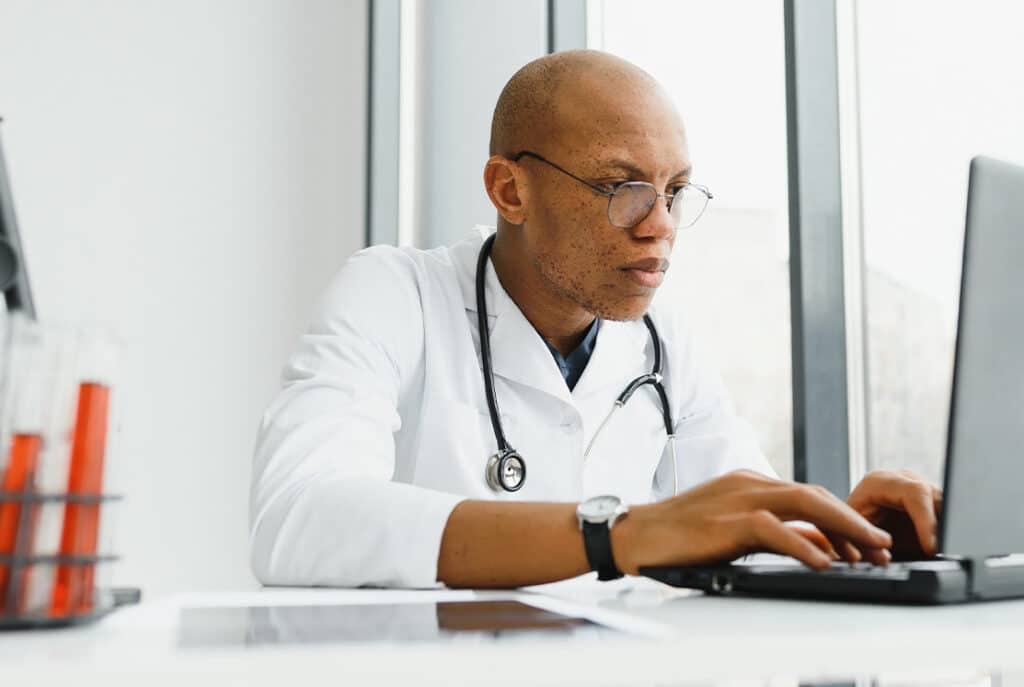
(699, 640)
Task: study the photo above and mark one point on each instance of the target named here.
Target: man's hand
(904, 504)
(745, 512)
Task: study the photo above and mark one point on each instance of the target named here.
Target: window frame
(825, 262)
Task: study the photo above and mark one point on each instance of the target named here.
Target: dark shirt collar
(572, 365)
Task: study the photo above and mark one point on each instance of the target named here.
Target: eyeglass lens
(632, 203)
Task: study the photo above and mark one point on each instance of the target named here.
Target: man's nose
(658, 223)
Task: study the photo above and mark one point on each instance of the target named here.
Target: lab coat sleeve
(711, 439)
(323, 507)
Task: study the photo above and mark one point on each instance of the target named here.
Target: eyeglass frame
(611, 194)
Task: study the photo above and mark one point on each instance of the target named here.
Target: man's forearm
(489, 544)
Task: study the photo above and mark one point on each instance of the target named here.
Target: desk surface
(689, 639)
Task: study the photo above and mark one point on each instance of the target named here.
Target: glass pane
(938, 85)
(724, 64)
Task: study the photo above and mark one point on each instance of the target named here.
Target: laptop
(981, 527)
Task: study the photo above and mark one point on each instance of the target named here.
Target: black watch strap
(597, 541)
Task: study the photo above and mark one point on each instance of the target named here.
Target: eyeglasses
(630, 202)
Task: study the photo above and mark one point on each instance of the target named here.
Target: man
(371, 465)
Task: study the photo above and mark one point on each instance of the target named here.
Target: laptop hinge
(978, 577)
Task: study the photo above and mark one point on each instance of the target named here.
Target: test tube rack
(18, 567)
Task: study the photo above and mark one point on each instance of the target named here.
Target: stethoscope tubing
(485, 344)
(653, 378)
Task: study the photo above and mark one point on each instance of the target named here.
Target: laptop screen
(982, 514)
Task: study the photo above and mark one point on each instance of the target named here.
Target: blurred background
(193, 172)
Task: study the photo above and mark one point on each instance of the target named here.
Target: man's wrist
(623, 538)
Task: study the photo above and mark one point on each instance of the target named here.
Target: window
(724, 65)
(939, 83)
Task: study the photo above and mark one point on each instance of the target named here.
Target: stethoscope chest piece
(506, 471)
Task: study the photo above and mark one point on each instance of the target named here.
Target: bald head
(555, 95)
(593, 122)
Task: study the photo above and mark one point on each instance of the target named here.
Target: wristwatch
(596, 517)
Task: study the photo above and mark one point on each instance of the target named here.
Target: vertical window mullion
(820, 407)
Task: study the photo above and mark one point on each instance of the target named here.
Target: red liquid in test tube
(73, 588)
(17, 519)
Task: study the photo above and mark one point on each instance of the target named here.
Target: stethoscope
(506, 469)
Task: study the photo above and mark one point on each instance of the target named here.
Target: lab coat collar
(519, 354)
(617, 359)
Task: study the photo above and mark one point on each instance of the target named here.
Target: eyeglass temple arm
(597, 189)
(703, 189)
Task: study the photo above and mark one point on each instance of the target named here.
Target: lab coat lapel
(617, 358)
(518, 352)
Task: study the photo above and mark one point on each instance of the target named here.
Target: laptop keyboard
(771, 564)
(860, 571)
(892, 571)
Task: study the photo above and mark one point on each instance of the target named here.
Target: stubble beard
(574, 292)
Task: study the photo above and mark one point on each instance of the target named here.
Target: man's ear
(502, 179)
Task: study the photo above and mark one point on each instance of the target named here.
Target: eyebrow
(626, 166)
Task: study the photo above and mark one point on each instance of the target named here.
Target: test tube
(26, 397)
(18, 519)
(54, 462)
(74, 583)
(5, 390)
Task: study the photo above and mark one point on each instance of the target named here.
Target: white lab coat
(381, 427)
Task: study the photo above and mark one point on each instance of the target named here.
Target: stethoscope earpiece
(506, 469)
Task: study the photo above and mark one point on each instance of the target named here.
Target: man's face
(608, 136)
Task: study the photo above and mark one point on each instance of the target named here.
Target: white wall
(190, 172)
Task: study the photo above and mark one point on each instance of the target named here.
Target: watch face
(599, 508)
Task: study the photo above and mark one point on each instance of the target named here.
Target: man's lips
(649, 272)
(649, 265)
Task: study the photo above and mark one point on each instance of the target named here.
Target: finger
(767, 531)
(837, 547)
(920, 505)
(914, 496)
(841, 548)
(816, 537)
(847, 551)
(878, 556)
(821, 508)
